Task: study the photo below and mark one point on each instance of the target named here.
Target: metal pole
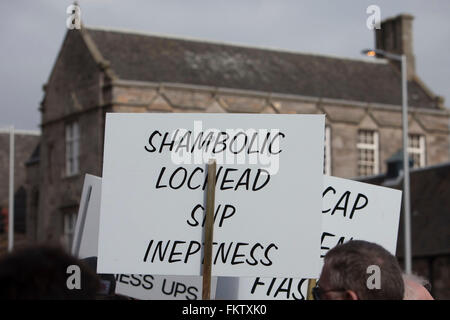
(406, 194)
(11, 191)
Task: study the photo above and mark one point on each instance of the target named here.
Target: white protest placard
(85, 238)
(158, 287)
(357, 210)
(269, 183)
(144, 287)
(351, 210)
(261, 288)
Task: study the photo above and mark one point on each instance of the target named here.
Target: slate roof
(134, 56)
(430, 210)
(35, 156)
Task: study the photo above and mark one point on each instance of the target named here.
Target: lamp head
(370, 52)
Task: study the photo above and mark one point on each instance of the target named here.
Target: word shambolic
(215, 142)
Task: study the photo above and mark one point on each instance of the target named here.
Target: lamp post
(11, 191)
(406, 193)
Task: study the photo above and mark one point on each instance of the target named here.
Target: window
(34, 213)
(416, 149)
(72, 149)
(367, 152)
(327, 152)
(70, 220)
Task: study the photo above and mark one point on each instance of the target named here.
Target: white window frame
(374, 147)
(327, 152)
(69, 223)
(421, 151)
(72, 148)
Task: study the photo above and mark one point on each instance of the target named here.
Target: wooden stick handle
(209, 228)
(311, 285)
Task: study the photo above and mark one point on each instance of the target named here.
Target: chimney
(395, 36)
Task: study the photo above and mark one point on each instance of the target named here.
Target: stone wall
(59, 194)
(344, 119)
(73, 93)
(24, 145)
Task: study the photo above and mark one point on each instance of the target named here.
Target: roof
(430, 210)
(35, 156)
(142, 57)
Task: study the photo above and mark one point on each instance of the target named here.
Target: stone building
(430, 220)
(99, 71)
(25, 142)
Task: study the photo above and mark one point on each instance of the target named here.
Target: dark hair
(348, 269)
(42, 273)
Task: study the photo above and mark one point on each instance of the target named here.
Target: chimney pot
(395, 36)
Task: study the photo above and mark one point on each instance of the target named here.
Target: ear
(351, 295)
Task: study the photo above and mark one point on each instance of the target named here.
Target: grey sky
(31, 33)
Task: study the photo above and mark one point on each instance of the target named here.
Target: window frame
(375, 147)
(327, 151)
(72, 149)
(421, 150)
(69, 226)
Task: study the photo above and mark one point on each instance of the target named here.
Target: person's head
(360, 270)
(44, 273)
(416, 288)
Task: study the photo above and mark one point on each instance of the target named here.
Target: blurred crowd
(355, 270)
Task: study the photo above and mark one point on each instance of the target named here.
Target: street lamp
(406, 193)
